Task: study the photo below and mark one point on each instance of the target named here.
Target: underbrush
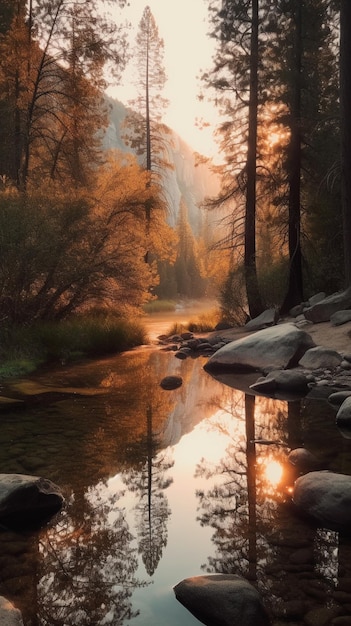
(204, 323)
(23, 349)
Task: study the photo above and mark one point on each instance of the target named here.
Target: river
(162, 485)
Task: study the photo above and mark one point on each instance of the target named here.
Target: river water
(162, 485)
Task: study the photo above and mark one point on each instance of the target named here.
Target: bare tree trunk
(345, 99)
(294, 293)
(253, 295)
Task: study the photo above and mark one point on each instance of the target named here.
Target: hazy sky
(183, 26)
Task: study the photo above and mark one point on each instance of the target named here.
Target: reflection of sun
(273, 472)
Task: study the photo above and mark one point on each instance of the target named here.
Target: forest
(84, 229)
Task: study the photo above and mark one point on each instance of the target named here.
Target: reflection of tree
(237, 506)
(152, 510)
(89, 567)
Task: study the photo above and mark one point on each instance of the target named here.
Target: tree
(235, 75)
(51, 72)
(63, 251)
(144, 131)
(345, 97)
(294, 293)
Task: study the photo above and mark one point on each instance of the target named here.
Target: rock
(318, 297)
(278, 347)
(340, 317)
(319, 356)
(338, 397)
(266, 319)
(9, 615)
(289, 380)
(323, 310)
(325, 497)
(303, 459)
(297, 310)
(27, 500)
(180, 355)
(223, 600)
(343, 416)
(171, 382)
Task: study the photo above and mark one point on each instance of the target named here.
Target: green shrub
(24, 348)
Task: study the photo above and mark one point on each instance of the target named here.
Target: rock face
(27, 500)
(326, 497)
(323, 310)
(9, 615)
(223, 600)
(273, 348)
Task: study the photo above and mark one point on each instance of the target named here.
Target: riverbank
(323, 334)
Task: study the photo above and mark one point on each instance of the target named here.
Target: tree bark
(294, 293)
(253, 295)
(345, 101)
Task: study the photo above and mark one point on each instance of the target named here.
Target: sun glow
(273, 472)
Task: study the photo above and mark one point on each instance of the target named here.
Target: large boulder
(269, 349)
(222, 599)
(325, 497)
(27, 500)
(9, 615)
(323, 310)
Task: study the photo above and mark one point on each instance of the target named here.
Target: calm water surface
(163, 485)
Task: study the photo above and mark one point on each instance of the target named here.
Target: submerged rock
(223, 599)
(27, 500)
(171, 382)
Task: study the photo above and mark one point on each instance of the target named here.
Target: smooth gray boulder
(9, 615)
(338, 397)
(323, 310)
(266, 319)
(303, 460)
(222, 599)
(288, 380)
(319, 356)
(340, 317)
(343, 416)
(278, 347)
(325, 497)
(316, 298)
(27, 500)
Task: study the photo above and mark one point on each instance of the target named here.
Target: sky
(188, 50)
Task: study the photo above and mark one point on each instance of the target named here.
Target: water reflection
(161, 485)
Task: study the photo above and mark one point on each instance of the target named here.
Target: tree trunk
(294, 293)
(345, 99)
(252, 290)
